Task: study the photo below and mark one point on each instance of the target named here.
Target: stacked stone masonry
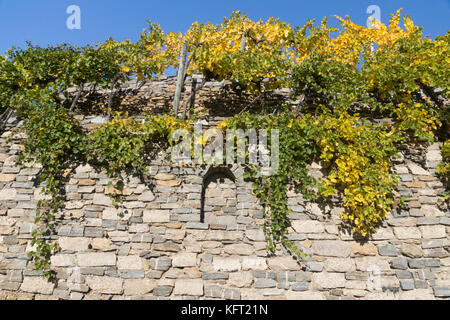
(164, 244)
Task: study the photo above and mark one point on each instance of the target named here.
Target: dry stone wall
(196, 233)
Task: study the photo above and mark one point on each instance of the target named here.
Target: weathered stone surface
(7, 177)
(366, 249)
(96, 259)
(308, 226)
(405, 233)
(314, 266)
(213, 291)
(106, 285)
(37, 285)
(240, 279)
(406, 285)
(399, 263)
(418, 294)
(404, 274)
(63, 260)
(146, 196)
(162, 291)
(232, 294)
(7, 194)
(219, 235)
(254, 263)
(239, 249)
(102, 200)
(74, 230)
(184, 259)
(9, 286)
(132, 274)
(305, 295)
(215, 275)
(255, 235)
(383, 234)
(417, 170)
(423, 263)
(300, 286)
(389, 251)
(226, 264)
(156, 216)
(161, 264)
(283, 263)
(433, 232)
(129, 263)
(167, 247)
(114, 214)
(441, 292)
(190, 287)
(328, 280)
(101, 244)
(331, 248)
(197, 225)
(73, 244)
(371, 264)
(264, 283)
(136, 287)
(168, 183)
(14, 276)
(339, 265)
(411, 250)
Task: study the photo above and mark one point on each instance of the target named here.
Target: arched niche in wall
(218, 198)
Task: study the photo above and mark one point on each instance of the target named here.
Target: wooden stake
(243, 42)
(180, 78)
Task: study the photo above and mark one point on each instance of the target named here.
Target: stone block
(226, 264)
(366, 249)
(184, 259)
(136, 287)
(433, 232)
(339, 265)
(106, 285)
(331, 248)
(8, 194)
(96, 259)
(156, 216)
(102, 200)
(37, 285)
(254, 263)
(388, 250)
(262, 283)
(328, 280)
(283, 264)
(189, 287)
(240, 279)
(255, 235)
(308, 226)
(411, 250)
(63, 260)
(239, 249)
(405, 233)
(161, 264)
(129, 263)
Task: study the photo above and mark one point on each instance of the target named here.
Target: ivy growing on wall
(347, 83)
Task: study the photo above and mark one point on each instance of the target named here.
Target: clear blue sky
(44, 21)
